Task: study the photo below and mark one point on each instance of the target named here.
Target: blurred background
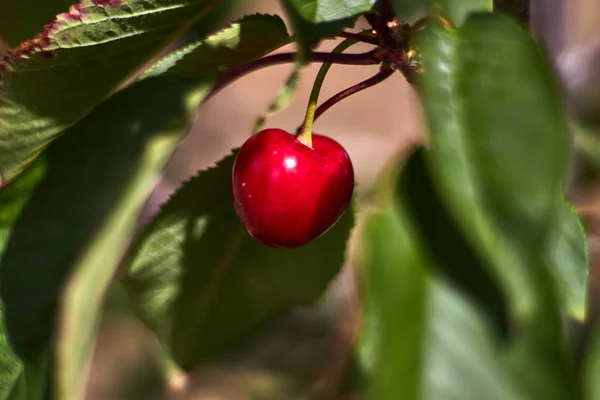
(374, 126)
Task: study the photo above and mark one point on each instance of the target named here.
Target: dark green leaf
(498, 151)
(78, 221)
(314, 20)
(591, 366)
(454, 10)
(421, 337)
(244, 40)
(454, 258)
(407, 10)
(202, 283)
(498, 147)
(457, 11)
(12, 371)
(50, 82)
(22, 19)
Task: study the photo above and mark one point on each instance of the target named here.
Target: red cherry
(286, 193)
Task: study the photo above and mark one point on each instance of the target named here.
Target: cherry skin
(286, 193)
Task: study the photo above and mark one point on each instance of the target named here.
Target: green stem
(305, 135)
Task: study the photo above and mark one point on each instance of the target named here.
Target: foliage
(468, 259)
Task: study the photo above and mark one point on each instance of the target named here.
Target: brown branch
(374, 80)
(368, 58)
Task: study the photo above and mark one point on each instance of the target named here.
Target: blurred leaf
(497, 148)
(10, 366)
(283, 98)
(12, 371)
(77, 197)
(22, 19)
(242, 41)
(202, 283)
(454, 10)
(31, 382)
(395, 290)
(498, 151)
(421, 337)
(462, 360)
(591, 366)
(457, 11)
(315, 20)
(50, 82)
(13, 198)
(407, 10)
(567, 256)
(453, 257)
(78, 222)
(519, 9)
(214, 21)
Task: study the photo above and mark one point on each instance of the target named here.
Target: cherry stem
(367, 83)
(360, 38)
(305, 131)
(368, 58)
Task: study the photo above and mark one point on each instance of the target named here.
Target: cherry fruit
(286, 193)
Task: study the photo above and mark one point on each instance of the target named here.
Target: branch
(368, 58)
(360, 38)
(372, 81)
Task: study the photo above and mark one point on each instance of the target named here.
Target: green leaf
(315, 20)
(244, 40)
(454, 10)
(591, 366)
(408, 10)
(457, 11)
(497, 154)
(567, 257)
(52, 81)
(22, 19)
(283, 98)
(10, 365)
(31, 382)
(81, 216)
(454, 258)
(462, 358)
(421, 336)
(202, 283)
(396, 288)
(498, 148)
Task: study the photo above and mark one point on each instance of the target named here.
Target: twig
(372, 81)
(368, 58)
(360, 38)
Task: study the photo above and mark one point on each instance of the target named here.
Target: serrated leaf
(50, 82)
(283, 98)
(202, 283)
(315, 20)
(81, 216)
(251, 37)
(22, 19)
